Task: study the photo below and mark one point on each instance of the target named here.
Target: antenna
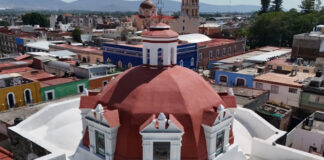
(160, 6)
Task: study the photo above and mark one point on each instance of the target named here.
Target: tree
(76, 34)
(307, 6)
(276, 5)
(4, 23)
(265, 4)
(60, 18)
(35, 18)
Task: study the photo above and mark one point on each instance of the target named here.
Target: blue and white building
(127, 55)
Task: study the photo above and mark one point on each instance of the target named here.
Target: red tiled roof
(56, 81)
(29, 73)
(279, 61)
(85, 49)
(5, 155)
(16, 64)
(112, 118)
(19, 58)
(216, 42)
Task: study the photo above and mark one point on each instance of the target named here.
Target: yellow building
(17, 92)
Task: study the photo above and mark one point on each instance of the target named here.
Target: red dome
(160, 30)
(141, 92)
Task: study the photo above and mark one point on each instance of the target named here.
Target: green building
(62, 87)
(312, 97)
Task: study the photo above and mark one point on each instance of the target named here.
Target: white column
(147, 150)
(175, 150)
(167, 56)
(226, 138)
(92, 140)
(153, 56)
(145, 54)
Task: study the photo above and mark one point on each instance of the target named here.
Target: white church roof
(58, 129)
(194, 38)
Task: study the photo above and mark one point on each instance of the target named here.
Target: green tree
(265, 4)
(60, 18)
(4, 23)
(35, 18)
(276, 5)
(76, 34)
(307, 6)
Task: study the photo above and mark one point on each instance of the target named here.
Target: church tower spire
(190, 8)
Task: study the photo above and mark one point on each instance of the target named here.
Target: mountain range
(114, 5)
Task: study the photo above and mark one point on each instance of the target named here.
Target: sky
(287, 4)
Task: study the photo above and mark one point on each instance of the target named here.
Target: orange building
(99, 82)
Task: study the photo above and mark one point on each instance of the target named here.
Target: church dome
(147, 4)
(142, 92)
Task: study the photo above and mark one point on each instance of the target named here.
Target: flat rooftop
(284, 79)
(273, 110)
(97, 65)
(249, 71)
(56, 81)
(9, 116)
(80, 48)
(318, 123)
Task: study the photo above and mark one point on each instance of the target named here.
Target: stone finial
(220, 108)
(230, 91)
(162, 121)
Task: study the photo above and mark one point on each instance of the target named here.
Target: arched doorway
(28, 96)
(11, 100)
(84, 60)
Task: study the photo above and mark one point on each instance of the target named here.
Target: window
(258, 85)
(104, 83)
(235, 49)
(279, 68)
(100, 143)
(49, 95)
(130, 65)
(210, 54)
(28, 96)
(11, 100)
(217, 53)
(229, 50)
(293, 90)
(274, 89)
(220, 142)
(306, 71)
(200, 56)
(223, 79)
(316, 99)
(181, 63)
(224, 51)
(161, 150)
(270, 66)
(81, 88)
(192, 62)
(240, 82)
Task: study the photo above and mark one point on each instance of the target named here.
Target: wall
(64, 90)
(307, 104)
(232, 77)
(258, 101)
(96, 83)
(19, 94)
(204, 58)
(115, 53)
(302, 139)
(283, 96)
(278, 152)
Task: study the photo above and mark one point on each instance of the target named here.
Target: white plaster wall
(266, 151)
(302, 139)
(256, 125)
(283, 96)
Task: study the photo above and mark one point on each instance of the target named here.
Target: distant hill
(114, 5)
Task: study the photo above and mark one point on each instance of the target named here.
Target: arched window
(130, 65)
(181, 63)
(160, 56)
(229, 50)
(11, 100)
(240, 82)
(210, 54)
(120, 64)
(192, 62)
(217, 53)
(223, 80)
(224, 51)
(28, 96)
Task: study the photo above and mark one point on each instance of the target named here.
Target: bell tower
(190, 8)
(160, 46)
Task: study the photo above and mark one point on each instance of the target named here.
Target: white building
(308, 136)
(284, 88)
